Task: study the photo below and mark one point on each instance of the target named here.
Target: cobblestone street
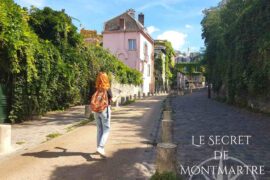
(196, 115)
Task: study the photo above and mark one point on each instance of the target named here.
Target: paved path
(195, 115)
(72, 156)
(29, 134)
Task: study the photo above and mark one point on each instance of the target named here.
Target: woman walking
(100, 105)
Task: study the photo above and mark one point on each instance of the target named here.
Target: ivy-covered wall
(169, 64)
(45, 64)
(190, 68)
(237, 43)
(193, 72)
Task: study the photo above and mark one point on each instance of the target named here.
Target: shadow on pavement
(55, 154)
(130, 148)
(124, 164)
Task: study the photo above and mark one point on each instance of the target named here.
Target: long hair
(102, 81)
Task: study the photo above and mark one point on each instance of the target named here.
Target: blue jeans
(103, 126)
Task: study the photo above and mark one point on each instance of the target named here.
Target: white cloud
(163, 3)
(188, 26)
(152, 29)
(153, 4)
(37, 3)
(177, 39)
(169, 5)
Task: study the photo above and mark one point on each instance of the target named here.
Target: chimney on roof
(141, 18)
(131, 12)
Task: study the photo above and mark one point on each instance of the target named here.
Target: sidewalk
(30, 134)
(72, 156)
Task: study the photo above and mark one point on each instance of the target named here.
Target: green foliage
(44, 63)
(190, 68)
(20, 142)
(237, 53)
(55, 26)
(158, 64)
(169, 63)
(103, 60)
(81, 123)
(52, 136)
(129, 102)
(159, 70)
(165, 176)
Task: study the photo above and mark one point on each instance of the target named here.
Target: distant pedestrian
(100, 105)
(209, 90)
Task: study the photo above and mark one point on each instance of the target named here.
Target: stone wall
(259, 104)
(128, 92)
(124, 90)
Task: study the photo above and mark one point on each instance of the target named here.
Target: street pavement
(196, 115)
(72, 155)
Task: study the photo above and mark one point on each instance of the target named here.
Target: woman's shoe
(101, 152)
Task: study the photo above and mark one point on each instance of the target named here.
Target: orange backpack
(99, 100)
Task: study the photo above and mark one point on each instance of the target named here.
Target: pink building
(127, 39)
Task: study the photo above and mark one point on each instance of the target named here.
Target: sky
(175, 20)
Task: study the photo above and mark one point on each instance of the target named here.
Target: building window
(145, 52)
(122, 23)
(132, 44)
(148, 70)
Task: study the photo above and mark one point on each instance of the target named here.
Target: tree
(44, 63)
(55, 26)
(237, 49)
